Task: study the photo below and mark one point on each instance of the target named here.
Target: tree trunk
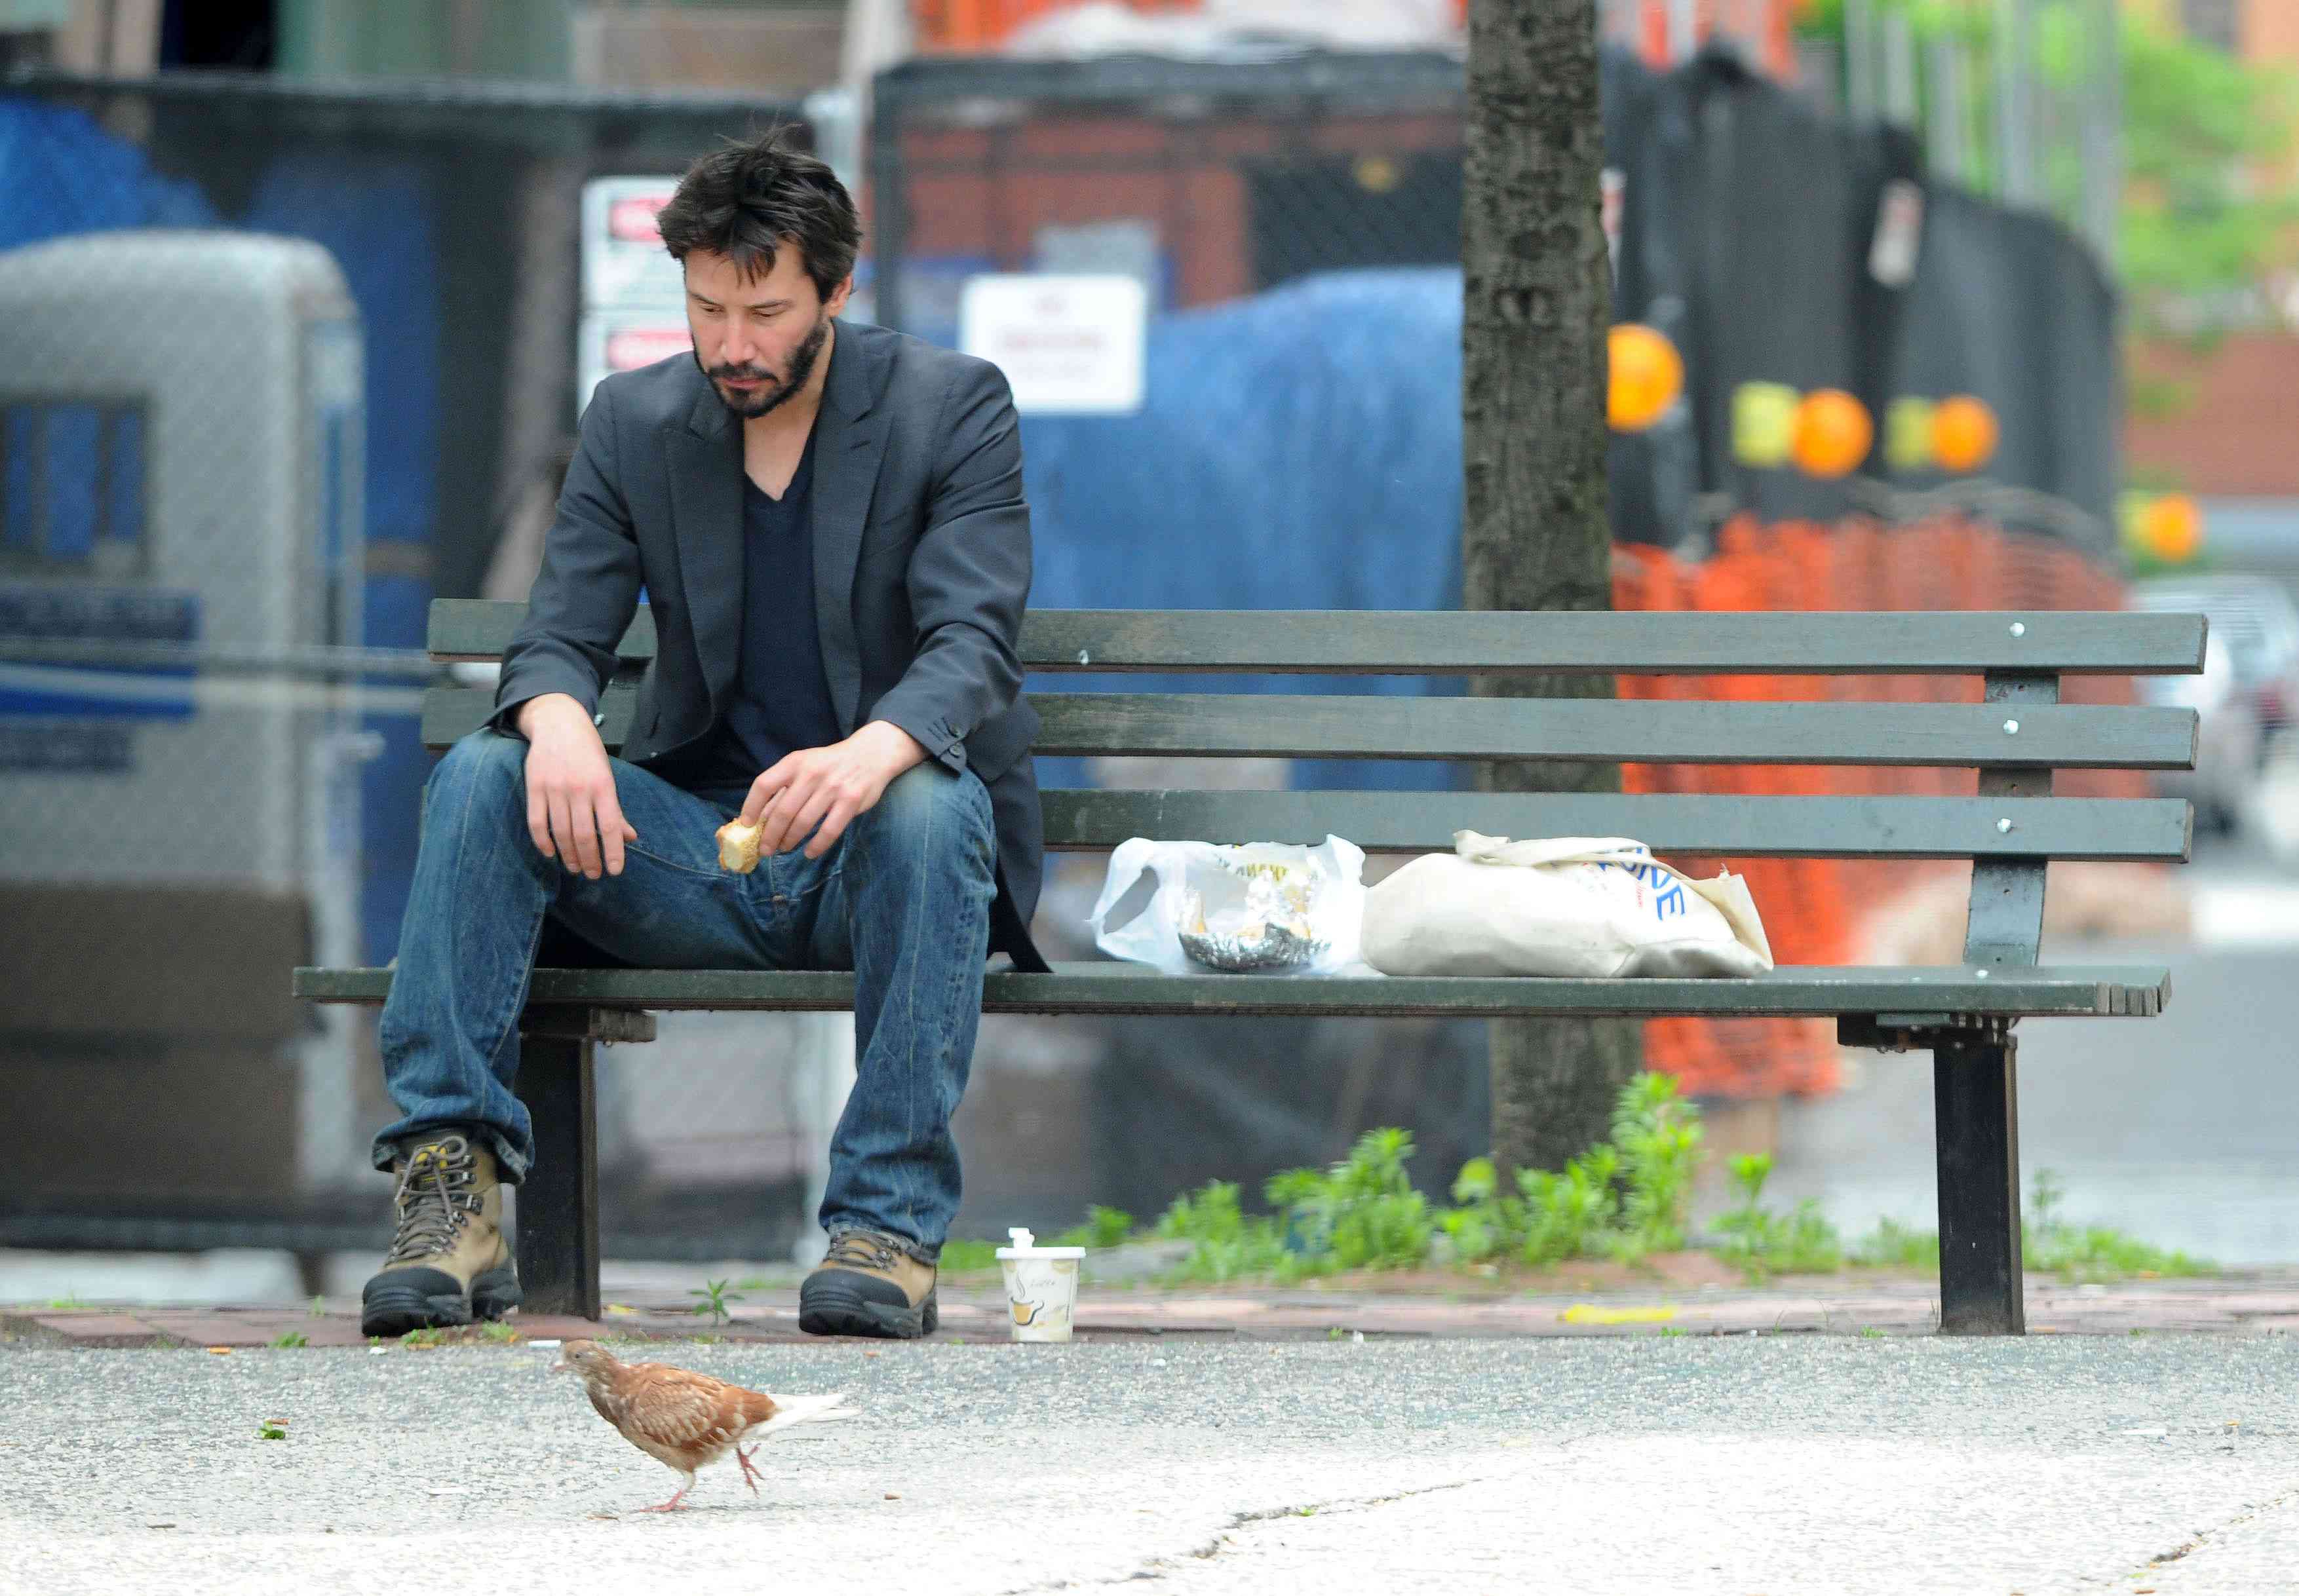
(1537, 292)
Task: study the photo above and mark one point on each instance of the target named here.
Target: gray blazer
(921, 570)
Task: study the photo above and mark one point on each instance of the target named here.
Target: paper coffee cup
(1041, 1287)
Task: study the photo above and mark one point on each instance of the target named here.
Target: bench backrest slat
(1307, 726)
(1420, 643)
(1738, 826)
(1323, 726)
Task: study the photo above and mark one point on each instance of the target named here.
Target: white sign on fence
(611, 341)
(624, 263)
(1069, 345)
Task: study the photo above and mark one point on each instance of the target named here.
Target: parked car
(2258, 618)
(2248, 692)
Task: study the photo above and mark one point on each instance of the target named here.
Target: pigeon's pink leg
(750, 1477)
(671, 1506)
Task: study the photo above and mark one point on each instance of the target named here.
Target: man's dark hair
(741, 202)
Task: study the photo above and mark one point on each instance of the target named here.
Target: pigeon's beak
(559, 1368)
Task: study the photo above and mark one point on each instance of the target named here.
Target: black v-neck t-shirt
(781, 701)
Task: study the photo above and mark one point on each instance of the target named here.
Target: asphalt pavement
(1748, 1464)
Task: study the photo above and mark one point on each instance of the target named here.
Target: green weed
(715, 1298)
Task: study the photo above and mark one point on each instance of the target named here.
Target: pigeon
(687, 1420)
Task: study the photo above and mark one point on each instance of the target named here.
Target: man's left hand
(821, 791)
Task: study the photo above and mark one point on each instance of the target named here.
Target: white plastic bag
(1564, 906)
(1262, 908)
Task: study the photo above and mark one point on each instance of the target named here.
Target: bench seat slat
(1420, 643)
(1107, 988)
(1802, 828)
(1339, 726)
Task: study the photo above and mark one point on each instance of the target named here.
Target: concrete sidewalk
(1777, 1464)
(655, 1302)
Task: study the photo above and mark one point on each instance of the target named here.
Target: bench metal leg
(1976, 1104)
(559, 1201)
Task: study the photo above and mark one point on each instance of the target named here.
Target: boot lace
(862, 1250)
(435, 1200)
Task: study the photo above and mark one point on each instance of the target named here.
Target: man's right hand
(572, 812)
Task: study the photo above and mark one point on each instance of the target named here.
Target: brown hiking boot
(448, 1265)
(868, 1286)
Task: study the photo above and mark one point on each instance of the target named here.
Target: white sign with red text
(1069, 345)
(623, 259)
(612, 341)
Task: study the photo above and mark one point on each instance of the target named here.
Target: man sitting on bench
(827, 521)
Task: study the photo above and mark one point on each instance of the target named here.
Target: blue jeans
(903, 899)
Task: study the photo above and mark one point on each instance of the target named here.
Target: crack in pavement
(2203, 1537)
(1157, 1568)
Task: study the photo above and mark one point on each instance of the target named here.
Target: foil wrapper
(1270, 930)
(1274, 948)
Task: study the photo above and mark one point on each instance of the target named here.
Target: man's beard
(776, 390)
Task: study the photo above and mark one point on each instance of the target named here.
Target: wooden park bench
(1964, 1014)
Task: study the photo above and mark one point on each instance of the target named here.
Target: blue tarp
(60, 173)
(1299, 450)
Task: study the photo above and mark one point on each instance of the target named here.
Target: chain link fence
(284, 363)
(1294, 219)
(278, 364)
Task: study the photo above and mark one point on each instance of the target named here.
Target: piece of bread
(738, 846)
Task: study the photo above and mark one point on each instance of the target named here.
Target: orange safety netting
(966, 26)
(961, 25)
(1947, 562)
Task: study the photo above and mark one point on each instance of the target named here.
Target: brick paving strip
(973, 1310)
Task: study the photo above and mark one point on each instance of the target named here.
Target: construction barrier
(1815, 909)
